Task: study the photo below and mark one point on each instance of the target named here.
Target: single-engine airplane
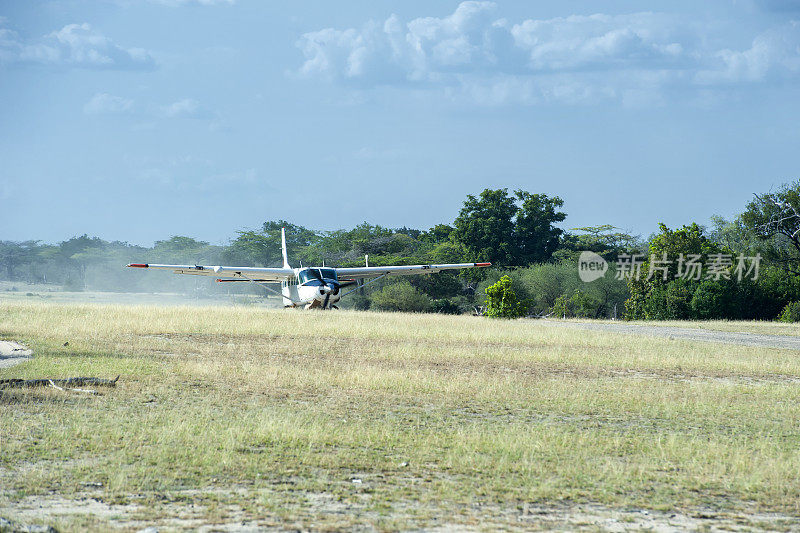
(309, 287)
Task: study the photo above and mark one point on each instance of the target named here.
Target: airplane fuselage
(315, 287)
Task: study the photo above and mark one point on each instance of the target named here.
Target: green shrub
(790, 313)
(445, 307)
(711, 300)
(400, 296)
(670, 301)
(579, 305)
(501, 300)
(677, 299)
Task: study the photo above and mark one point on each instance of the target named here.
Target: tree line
(518, 231)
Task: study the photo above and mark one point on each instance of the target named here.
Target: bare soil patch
(12, 353)
(189, 511)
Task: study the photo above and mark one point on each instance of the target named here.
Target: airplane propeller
(315, 272)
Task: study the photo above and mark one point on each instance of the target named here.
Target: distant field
(24, 292)
(325, 420)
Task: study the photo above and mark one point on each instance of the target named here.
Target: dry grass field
(239, 418)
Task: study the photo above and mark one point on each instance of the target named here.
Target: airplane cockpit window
(305, 277)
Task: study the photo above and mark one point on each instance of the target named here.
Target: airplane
(309, 287)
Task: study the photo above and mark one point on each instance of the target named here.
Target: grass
(335, 419)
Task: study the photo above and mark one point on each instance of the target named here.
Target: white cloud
(74, 45)
(187, 108)
(102, 103)
(773, 53)
(474, 55)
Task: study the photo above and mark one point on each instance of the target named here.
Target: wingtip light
(138, 265)
(483, 264)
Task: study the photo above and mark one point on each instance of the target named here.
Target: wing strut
(364, 285)
(270, 289)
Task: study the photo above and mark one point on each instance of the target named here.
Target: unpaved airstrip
(249, 419)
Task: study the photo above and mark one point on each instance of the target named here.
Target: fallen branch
(70, 383)
(87, 391)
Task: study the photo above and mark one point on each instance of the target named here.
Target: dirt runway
(692, 334)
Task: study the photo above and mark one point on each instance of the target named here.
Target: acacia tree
(775, 219)
(14, 254)
(264, 246)
(77, 253)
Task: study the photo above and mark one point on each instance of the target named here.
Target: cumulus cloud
(774, 53)
(74, 45)
(474, 54)
(103, 103)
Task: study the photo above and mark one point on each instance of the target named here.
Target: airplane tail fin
(283, 248)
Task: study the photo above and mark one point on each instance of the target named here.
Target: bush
(401, 296)
(502, 302)
(790, 313)
(669, 302)
(774, 290)
(543, 284)
(445, 307)
(677, 299)
(580, 305)
(712, 299)
(519, 288)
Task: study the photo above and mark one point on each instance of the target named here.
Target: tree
(509, 230)
(537, 237)
(438, 234)
(668, 295)
(264, 246)
(775, 219)
(502, 302)
(14, 254)
(485, 227)
(183, 249)
(605, 240)
(734, 236)
(78, 253)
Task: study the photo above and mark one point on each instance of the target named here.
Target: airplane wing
(410, 270)
(237, 273)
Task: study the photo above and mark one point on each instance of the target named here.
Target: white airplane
(311, 287)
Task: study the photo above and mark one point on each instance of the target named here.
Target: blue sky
(138, 120)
